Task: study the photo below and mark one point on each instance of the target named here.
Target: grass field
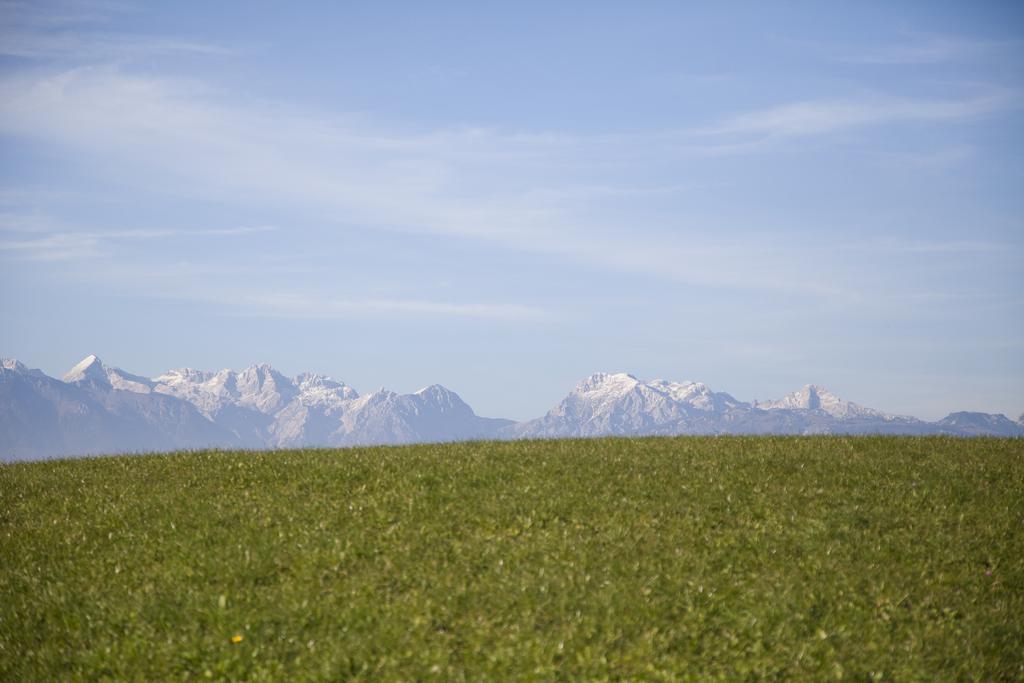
(674, 559)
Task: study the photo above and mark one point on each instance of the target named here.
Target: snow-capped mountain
(99, 408)
(261, 406)
(102, 409)
(42, 417)
(431, 414)
(312, 409)
(811, 397)
(622, 404)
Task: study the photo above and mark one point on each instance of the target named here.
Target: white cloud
(72, 32)
(57, 247)
(817, 117)
(76, 47)
(62, 246)
(306, 306)
(925, 49)
(511, 190)
(29, 222)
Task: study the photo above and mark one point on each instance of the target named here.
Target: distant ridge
(97, 408)
(811, 397)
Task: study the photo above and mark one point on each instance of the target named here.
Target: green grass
(655, 559)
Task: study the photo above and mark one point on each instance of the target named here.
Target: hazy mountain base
(815, 558)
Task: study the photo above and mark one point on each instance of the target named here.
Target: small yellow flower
(237, 638)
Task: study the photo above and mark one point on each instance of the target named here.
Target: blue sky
(506, 198)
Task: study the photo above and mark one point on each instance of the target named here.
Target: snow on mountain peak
(313, 379)
(259, 407)
(434, 390)
(258, 387)
(605, 382)
(261, 372)
(308, 381)
(89, 369)
(441, 396)
(377, 397)
(15, 365)
(183, 375)
(314, 389)
(813, 397)
(126, 381)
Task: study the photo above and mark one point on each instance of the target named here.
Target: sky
(507, 197)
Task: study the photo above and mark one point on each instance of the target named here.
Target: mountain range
(97, 408)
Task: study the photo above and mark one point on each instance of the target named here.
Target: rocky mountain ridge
(97, 408)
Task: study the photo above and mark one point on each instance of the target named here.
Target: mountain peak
(258, 407)
(89, 369)
(377, 397)
(440, 395)
(814, 397)
(974, 423)
(13, 364)
(322, 390)
(126, 381)
(184, 375)
(261, 369)
(811, 395)
(434, 389)
(16, 366)
(309, 380)
(89, 361)
(607, 381)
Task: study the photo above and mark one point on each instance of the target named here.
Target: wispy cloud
(934, 159)
(62, 12)
(925, 49)
(96, 47)
(338, 170)
(902, 246)
(58, 247)
(261, 286)
(12, 221)
(306, 306)
(74, 32)
(62, 246)
(816, 117)
(906, 47)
